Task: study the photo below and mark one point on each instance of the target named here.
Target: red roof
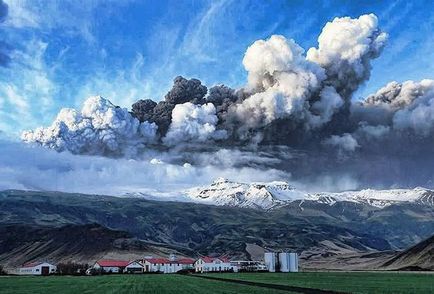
(185, 261)
(112, 263)
(208, 259)
(224, 259)
(31, 264)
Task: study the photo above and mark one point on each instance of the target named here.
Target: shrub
(72, 268)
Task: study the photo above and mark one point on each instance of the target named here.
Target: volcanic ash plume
(100, 128)
(403, 107)
(183, 91)
(192, 124)
(291, 98)
(308, 95)
(345, 48)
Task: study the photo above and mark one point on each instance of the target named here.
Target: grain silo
(270, 261)
(293, 262)
(284, 261)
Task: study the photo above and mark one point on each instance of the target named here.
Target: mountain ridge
(275, 194)
(312, 228)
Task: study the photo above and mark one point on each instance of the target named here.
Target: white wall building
(214, 264)
(134, 267)
(37, 269)
(167, 266)
(111, 266)
(248, 266)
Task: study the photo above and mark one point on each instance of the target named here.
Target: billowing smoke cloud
(280, 78)
(404, 108)
(5, 48)
(296, 113)
(346, 142)
(183, 91)
(285, 89)
(345, 48)
(193, 123)
(100, 128)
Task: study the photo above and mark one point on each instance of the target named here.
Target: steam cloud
(294, 102)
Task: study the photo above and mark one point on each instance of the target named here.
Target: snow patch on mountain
(254, 195)
(276, 194)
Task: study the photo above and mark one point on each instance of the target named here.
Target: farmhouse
(214, 264)
(37, 269)
(111, 266)
(166, 266)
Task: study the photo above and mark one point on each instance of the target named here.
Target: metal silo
(293, 262)
(284, 261)
(270, 261)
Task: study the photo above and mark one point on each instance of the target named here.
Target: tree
(2, 271)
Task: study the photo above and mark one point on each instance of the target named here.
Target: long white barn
(214, 264)
(165, 265)
(37, 269)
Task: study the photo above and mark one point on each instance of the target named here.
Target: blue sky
(64, 51)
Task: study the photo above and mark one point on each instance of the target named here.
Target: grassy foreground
(350, 282)
(160, 284)
(354, 282)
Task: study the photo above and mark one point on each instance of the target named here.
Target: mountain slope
(79, 243)
(420, 256)
(185, 227)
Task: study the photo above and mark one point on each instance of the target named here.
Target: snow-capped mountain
(276, 194)
(255, 195)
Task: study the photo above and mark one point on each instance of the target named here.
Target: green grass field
(161, 284)
(354, 282)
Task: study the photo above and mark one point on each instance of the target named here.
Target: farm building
(281, 262)
(111, 266)
(248, 266)
(214, 264)
(134, 267)
(165, 265)
(37, 269)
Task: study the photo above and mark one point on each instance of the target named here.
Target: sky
(61, 52)
(298, 108)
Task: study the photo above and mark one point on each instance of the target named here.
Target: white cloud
(193, 123)
(100, 128)
(36, 168)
